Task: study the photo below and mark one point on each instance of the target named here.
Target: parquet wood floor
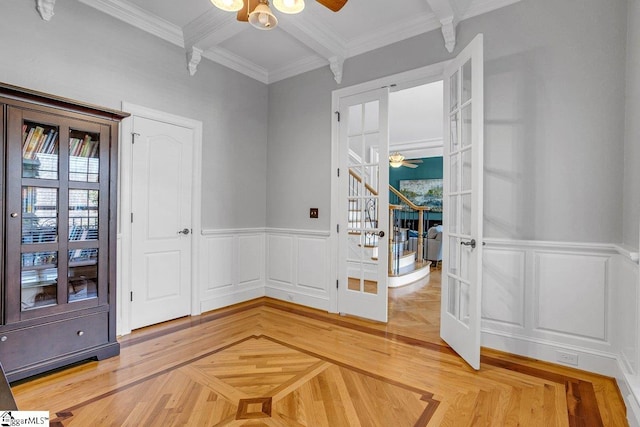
(270, 363)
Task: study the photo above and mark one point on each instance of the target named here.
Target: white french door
(364, 197)
(462, 237)
(161, 202)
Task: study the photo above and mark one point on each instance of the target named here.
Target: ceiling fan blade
(409, 165)
(414, 161)
(334, 5)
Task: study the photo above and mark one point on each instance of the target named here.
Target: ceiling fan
(396, 160)
(259, 15)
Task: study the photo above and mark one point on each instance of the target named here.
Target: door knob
(14, 214)
(184, 231)
(471, 243)
(381, 234)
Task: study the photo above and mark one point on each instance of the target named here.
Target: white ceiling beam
(45, 8)
(449, 17)
(211, 28)
(206, 32)
(139, 18)
(319, 39)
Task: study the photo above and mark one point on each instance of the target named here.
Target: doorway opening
(416, 134)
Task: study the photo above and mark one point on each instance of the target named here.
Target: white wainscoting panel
(540, 298)
(626, 302)
(232, 267)
(572, 293)
(312, 264)
(219, 256)
(298, 267)
(279, 257)
(250, 260)
(504, 286)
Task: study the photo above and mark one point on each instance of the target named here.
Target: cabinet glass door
(56, 198)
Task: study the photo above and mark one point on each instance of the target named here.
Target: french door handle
(381, 233)
(185, 231)
(471, 243)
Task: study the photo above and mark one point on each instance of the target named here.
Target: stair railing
(401, 210)
(407, 213)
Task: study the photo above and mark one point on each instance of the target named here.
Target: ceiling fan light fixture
(395, 160)
(289, 6)
(262, 18)
(228, 5)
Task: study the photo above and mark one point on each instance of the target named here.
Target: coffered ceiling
(314, 38)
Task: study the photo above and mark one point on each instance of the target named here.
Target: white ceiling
(416, 121)
(314, 38)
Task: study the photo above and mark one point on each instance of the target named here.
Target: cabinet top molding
(24, 94)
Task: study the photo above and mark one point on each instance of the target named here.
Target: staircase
(407, 262)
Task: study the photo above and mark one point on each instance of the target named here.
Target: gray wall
(632, 128)
(86, 55)
(554, 110)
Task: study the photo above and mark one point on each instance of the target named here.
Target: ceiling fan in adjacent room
(396, 160)
(259, 15)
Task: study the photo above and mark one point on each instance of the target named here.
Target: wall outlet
(313, 213)
(568, 358)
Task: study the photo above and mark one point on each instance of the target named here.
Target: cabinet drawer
(23, 347)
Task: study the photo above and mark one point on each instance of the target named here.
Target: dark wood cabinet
(59, 170)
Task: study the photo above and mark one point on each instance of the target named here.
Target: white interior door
(364, 198)
(161, 222)
(462, 237)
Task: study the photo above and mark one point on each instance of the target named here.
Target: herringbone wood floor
(269, 363)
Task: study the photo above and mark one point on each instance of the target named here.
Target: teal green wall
(430, 168)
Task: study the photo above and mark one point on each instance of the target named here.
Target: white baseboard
(588, 359)
(297, 298)
(221, 301)
(627, 384)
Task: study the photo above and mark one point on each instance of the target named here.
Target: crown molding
(237, 63)
(479, 7)
(208, 30)
(413, 145)
(139, 18)
(392, 34)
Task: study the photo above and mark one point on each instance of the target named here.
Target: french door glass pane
(453, 214)
(39, 151)
(466, 81)
(38, 279)
(39, 215)
(354, 126)
(453, 92)
(453, 123)
(454, 261)
(371, 116)
(356, 149)
(466, 215)
(463, 313)
(466, 170)
(465, 131)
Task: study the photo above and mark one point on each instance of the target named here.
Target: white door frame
(125, 172)
(405, 80)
